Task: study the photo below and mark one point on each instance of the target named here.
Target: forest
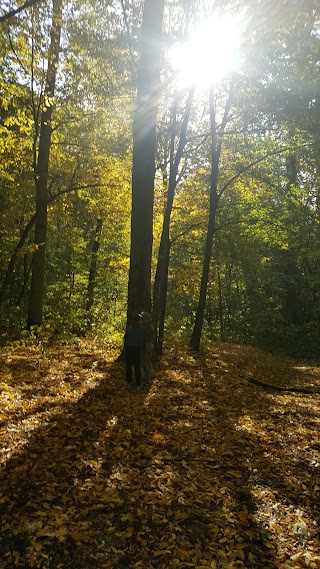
(160, 156)
(229, 212)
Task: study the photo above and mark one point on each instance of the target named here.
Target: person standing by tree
(148, 334)
(133, 343)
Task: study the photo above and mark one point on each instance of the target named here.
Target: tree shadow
(43, 484)
(245, 454)
(212, 516)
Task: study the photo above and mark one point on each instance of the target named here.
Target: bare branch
(261, 159)
(13, 13)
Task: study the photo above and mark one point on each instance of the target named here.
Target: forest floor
(203, 470)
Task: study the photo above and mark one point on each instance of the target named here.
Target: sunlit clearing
(211, 53)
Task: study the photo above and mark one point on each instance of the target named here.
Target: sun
(211, 52)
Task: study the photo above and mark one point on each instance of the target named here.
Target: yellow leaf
(235, 473)
(181, 515)
(129, 531)
(243, 516)
(184, 553)
(240, 553)
(158, 437)
(38, 546)
(127, 517)
(160, 552)
(77, 536)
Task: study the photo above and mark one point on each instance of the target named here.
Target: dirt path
(204, 470)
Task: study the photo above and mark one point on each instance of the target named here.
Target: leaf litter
(203, 470)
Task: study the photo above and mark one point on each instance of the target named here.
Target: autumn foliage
(204, 470)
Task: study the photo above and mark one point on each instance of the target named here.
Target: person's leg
(148, 363)
(144, 363)
(137, 365)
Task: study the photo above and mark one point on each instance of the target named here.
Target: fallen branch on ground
(278, 388)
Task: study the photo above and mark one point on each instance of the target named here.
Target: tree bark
(35, 312)
(143, 164)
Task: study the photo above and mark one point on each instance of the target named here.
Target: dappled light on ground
(203, 470)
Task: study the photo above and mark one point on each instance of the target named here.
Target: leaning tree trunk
(10, 269)
(24, 235)
(143, 165)
(161, 276)
(41, 174)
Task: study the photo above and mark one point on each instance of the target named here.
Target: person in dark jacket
(133, 342)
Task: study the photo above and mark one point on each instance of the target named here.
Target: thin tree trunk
(163, 301)
(35, 312)
(221, 315)
(26, 273)
(143, 165)
(214, 200)
(93, 266)
(161, 276)
(14, 256)
(23, 238)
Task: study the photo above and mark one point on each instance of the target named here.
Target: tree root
(278, 388)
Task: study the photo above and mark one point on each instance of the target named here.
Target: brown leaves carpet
(203, 470)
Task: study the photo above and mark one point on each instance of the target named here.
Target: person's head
(145, 317)
(136, 319)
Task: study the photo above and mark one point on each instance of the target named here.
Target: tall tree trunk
(93, 267)
(41, 174)
(143, 165)
(216, 143)
(161, 276)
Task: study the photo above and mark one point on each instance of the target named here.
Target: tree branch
(13, 13)
(279, 388)
(255, 162)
